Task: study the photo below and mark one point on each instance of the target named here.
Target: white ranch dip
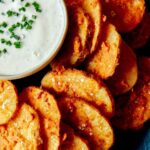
(37, 41)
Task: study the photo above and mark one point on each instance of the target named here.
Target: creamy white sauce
(39, 42)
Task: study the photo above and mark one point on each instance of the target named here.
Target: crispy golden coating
(105, 60)
(8, 101)
(78, 41)
(71, 141)
(141, 34)
(76, 83)
(124, 14)
(46, 105)
(23, 132)
(126, 72)
(87, 121)
(93, 8)
(133, 109)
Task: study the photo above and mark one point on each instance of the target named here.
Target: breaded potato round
(77, 83)
(46, 105)
(126, 73)
(141, 34)
(23, 132)
(124, 14)
(87, 121)
(78, 41)
(94, 9)
(8, 101)
(105, 60)
(71, 141)
(133, 108)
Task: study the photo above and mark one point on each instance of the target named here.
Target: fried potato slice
(78, 41)
(124, 14)
(93, 8)
(141, 34)
(8, 101)
(87, 121)
(73, 82)
(133, 108)
(71, 141)
(23, 132)
(105, 60)
(126, 72)
(46, 105)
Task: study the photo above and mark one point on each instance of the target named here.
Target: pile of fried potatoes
(95, 82)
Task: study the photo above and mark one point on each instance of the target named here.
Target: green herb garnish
(18, 44)
(22, 9)
(37, 7)
(11, 13)
(3, 51)
(1, 31)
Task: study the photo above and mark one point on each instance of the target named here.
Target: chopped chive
(4, 25)
(34, 16)
(30, 22)
(11, 13)
(1, 31)
(18, 44)
(37, 6)
(22, 9)
(27, 4)
(15, 36)
(29, 27)
(8, 43)
(3, 51)
(3, 40)
(24, 18)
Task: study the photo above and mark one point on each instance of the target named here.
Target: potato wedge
(141, 34)
(87, 121)
(46, 105)
(93, 8)
(23, 132)
(73, 82)
(105, 60)
(78, 41)
(71, 141)
(8, 101)
(124, 14)
(126, 72)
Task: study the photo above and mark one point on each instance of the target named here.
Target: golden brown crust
(141, 34)
(126, 73)
(105, 60)
(87, 121)
(23, 132)
(124, 14)
(77, 83)
(8, 101)
(78, 41)
(46, 105)
(133, 108)
(71, 141)
(93, 8)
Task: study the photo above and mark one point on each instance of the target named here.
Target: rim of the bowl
(52, 55)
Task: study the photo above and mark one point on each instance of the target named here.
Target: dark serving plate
(124, 140)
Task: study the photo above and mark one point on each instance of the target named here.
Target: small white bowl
(51, 55)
